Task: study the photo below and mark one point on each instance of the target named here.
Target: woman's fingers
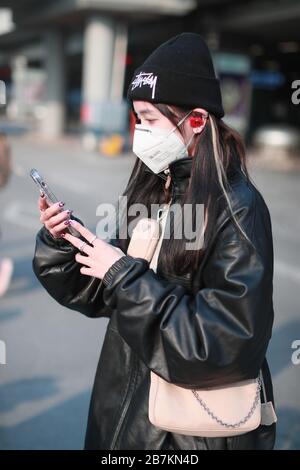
(86, 260)
(87, 271)
(42, 203)
(53, 217)
(77, 242)
(60, 225)
(50, 211)
(59, 218)
(86, 233)
(58, 230)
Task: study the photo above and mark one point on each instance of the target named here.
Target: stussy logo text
(144, 78)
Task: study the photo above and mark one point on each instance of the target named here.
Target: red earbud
(196, 121)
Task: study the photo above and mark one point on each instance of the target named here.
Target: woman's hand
(55, 220)
(97, 259)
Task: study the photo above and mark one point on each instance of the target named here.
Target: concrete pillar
(105, 45)
(53, 118)
(15, 108)
(98, 49)
(119, 62)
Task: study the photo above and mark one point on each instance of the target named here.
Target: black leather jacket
(214, 337)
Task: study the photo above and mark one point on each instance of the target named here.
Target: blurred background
(64, 71)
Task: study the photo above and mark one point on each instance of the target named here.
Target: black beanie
(180, 72)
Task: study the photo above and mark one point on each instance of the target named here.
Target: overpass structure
(103, 31)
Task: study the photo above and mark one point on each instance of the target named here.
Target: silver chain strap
(242, 421)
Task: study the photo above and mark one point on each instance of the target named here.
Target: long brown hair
(218, 152)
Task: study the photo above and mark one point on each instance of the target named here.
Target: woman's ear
(198, 119)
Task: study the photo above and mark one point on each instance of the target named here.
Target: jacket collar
(180, 171)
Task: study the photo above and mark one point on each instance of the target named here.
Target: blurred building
(67, 63)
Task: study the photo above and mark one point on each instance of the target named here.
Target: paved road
(52, 352)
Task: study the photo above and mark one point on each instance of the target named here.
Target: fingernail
(42, 194)
(69, 211)
(61, 204)
(67, 222)
(62, 235)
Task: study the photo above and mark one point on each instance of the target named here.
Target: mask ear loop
(178, 124)
(181, 120)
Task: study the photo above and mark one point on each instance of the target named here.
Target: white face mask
(157, 147)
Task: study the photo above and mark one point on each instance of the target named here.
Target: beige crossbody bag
(213, 412)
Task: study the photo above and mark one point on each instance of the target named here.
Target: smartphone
(49, 195)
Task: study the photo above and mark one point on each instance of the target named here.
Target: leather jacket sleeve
(214, 337)
(55, 267)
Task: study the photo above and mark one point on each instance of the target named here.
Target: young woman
(204, 318)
